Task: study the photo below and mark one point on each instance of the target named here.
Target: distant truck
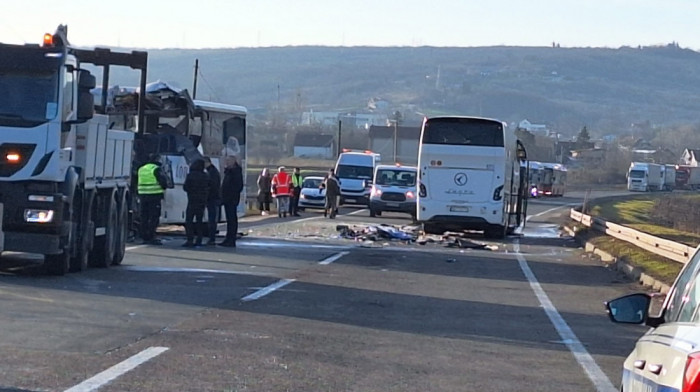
(669, 177)
(644, 177)
(687, 177)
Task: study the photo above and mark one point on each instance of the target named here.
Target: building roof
(313, 140)
(377, 131)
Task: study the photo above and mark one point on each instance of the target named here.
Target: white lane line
(357, 212)
(333, 258)
(134, 247)
(593, 371)
(117, 370)
(267, 290)
(549, 210)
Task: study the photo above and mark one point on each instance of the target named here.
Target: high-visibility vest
(280, 184)
(297, 179)
(148, 183)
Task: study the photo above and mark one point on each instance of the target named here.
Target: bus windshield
(463, 132)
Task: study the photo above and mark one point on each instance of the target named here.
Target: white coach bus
(473, 175)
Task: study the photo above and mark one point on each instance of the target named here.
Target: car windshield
(396, 177)
(311, 183)
(354, 172)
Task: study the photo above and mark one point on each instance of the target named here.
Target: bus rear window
(463, 132)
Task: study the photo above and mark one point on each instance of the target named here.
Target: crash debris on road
(369, 235)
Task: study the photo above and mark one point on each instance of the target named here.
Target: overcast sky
(256, 23)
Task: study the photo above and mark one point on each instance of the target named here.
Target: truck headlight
(38, 216)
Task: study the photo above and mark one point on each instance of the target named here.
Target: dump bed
(104, 154)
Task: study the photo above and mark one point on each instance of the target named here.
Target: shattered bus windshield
(28, 95)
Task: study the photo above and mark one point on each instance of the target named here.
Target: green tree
(583, 136)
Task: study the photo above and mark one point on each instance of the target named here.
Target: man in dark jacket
(197, 188)
(213, 200)
(231, 189)
(332, 186)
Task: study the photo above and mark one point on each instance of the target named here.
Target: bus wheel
(431, 228)
(495, 231)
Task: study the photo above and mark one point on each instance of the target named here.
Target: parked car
(667, 357)
(394, 189)
(311, 196)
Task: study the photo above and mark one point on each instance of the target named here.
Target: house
(314, 145)
(535, 129)
(395, 144)
(690, 157)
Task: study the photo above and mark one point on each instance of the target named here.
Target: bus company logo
(461, 179)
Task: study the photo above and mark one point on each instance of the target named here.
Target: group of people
(285, 189)
(205, 191)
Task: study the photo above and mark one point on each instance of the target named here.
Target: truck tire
(122, 229)
(85, 233)
(104, 249)
(57, 264)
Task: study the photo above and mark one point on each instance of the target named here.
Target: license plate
(392, 204)
(350, 200)
(459, 209)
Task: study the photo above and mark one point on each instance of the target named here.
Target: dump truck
(65, 163)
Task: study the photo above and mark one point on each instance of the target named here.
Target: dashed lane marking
(267, 290)
(333, 258)
(101, 379)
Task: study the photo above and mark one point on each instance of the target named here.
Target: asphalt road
(296, 308)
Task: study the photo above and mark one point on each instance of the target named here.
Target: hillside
(566, 88)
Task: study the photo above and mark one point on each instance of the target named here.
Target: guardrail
(660, 246)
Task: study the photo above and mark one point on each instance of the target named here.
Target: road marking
(135, 247)
(593, 371)
(117, 370)
(267, 290)
(550, 210)
(357, 212)
(333, 258)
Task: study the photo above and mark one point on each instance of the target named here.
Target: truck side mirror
(86, 101)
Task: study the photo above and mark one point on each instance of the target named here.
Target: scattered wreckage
(412, 234)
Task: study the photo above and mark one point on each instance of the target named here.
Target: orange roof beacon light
(12, 157)
(48, 39)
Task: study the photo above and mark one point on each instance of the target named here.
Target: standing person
(151, 188)
(213, 200)
(332, 186)
(297, 180)
(281, 189)
(231, 190)
(197, 188)
(264, 191)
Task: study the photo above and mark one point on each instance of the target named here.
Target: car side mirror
(630, 309)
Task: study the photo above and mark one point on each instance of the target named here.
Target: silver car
(311, 196)
(667, 357)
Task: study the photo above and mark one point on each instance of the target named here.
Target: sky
(155, 24)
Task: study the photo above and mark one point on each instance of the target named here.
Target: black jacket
(214, 183)
(197, 187)
(232, 185)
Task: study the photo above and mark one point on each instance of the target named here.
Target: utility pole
(340, 125)
(196, 71)
(396, 138)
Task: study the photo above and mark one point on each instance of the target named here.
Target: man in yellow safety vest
(151, 188)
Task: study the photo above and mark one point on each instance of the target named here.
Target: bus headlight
(497, 193)
(38, 216)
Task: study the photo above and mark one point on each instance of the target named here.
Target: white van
(355, 171)
(394, 189)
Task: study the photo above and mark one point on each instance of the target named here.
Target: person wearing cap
(151, 189)
(281, 189)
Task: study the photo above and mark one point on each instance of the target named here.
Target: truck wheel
(103, 251)
(122, 230)
(86, 231)
(57, 264)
